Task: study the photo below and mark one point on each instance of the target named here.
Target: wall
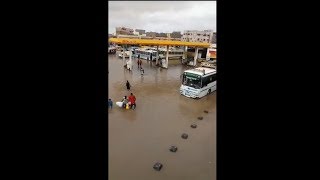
(124, 31)
(198, 36)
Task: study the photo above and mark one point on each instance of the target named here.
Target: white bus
(198, 82)
(146, 54)
(173, 53)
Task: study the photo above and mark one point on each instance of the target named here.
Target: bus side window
(205, 81)
(210, 79)
(214, 77)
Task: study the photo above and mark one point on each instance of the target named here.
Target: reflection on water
(140, 138)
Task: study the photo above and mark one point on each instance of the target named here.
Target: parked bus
(173, 53)
(151, 53)
(146, 54)
(198, 82)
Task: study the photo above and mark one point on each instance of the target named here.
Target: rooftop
(200, 70)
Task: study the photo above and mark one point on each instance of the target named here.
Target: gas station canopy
(151, 42)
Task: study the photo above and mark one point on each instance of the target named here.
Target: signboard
(192, 76)
(213, 54)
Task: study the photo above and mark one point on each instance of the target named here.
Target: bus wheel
(209, 91)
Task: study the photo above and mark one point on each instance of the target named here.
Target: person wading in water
(138, 61)
(128, 85)
(132, 100)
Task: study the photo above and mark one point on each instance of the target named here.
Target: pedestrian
(128, 85)
(132, 101)
(110, 103)
(138, 60)
(124, 102)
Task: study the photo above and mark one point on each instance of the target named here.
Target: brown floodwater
(139, 138)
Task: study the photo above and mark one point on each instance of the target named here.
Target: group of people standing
(139, 62)
(127, 102)
(130, 102)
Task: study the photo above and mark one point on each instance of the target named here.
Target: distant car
(119, 48)
(112, 50)
(126, 54)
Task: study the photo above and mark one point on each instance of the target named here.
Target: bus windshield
(192, 80)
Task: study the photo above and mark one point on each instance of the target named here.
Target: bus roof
(199, 70)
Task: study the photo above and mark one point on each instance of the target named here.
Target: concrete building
(161, 35)
(151, 34)
(214, 38)
(176, 34)
(205, 36)
(141, 31)
(124, 31)
(129, 33)
(111, 36)
(135, 36)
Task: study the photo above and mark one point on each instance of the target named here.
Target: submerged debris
(184, 136)
(157, 166)
(173, 148)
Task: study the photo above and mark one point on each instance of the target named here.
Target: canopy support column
(195, 56)
(123, 56)
(157, 58)
(167, 57)
(185, 50)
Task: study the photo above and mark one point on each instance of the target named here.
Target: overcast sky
(162, 16)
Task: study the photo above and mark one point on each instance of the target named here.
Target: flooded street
(139, 138)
